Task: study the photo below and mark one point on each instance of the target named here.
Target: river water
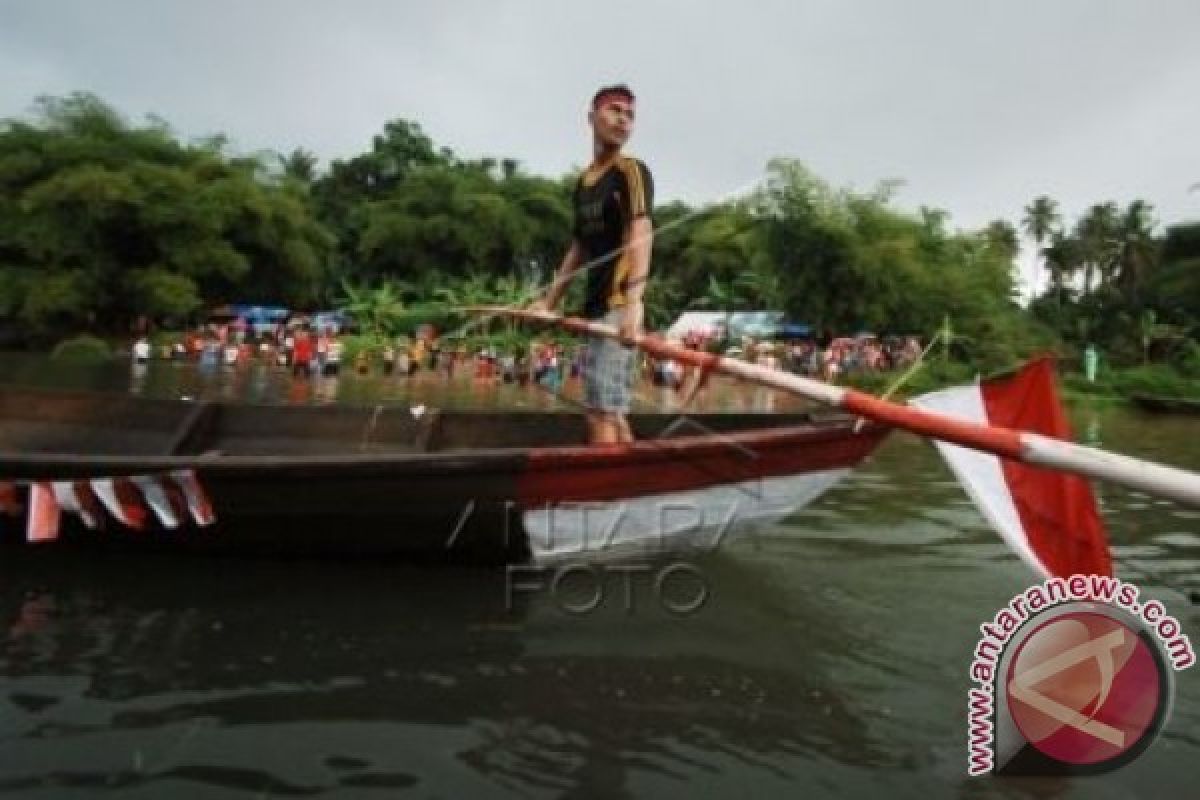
(830, 658)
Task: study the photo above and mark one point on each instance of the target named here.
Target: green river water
(830, 658)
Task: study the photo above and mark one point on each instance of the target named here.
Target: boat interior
(39, 421)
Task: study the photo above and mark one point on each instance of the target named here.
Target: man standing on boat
(611, 242)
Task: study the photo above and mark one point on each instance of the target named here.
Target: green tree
(102, 221)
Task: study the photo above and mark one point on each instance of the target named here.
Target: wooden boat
(1157, 404)
(477, 486)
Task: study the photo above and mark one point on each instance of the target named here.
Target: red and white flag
(44, 514)
(197, 501)
(158, 499)
(1049, 518)
(75, 497)
(122, 500)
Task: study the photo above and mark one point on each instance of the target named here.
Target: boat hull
(434, 497)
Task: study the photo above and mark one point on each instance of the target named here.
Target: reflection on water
(830, 659)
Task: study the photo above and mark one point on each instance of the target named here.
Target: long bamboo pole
(1159, 480)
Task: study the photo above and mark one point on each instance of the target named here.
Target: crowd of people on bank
(304, 350)
(829, 359)
(307, 351)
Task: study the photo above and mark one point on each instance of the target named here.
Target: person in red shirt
(302, 355)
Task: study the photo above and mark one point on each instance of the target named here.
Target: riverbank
(1113, 385)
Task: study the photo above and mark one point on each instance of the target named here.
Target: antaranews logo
(1072, 678)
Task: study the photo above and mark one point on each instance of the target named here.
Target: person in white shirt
(333, 356)
(141, 350)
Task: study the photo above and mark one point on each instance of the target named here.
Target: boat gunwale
(63, 465)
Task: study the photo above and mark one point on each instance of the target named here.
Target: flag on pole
(1049, 518)
(44, 514)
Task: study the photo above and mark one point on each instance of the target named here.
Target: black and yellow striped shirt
(608, 197)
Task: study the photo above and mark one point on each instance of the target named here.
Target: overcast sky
(977, 106)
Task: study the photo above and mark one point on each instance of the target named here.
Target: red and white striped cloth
(77, 497)
(122, 500)
(157, 494)
(198, 504)
(130, 500)
(1049, 518)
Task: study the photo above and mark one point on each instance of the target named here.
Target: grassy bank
(1112, 384)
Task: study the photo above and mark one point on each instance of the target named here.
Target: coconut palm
(1002, 237)
(1097, 232)
(1137, 248)
(1041, 221)
(1062, 257)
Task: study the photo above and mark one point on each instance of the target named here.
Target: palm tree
(1041, 221)
(1002, 236)
(1097, 232)
(1136, 242)
(1062, 257)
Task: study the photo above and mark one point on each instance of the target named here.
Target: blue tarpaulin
(259, 314)
(793, 330)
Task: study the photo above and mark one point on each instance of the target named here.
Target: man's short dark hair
(619, 89)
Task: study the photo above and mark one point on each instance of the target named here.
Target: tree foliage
(103, 221)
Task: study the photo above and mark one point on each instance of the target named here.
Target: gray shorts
(608, 370)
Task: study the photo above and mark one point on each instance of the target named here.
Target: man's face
(612, 122)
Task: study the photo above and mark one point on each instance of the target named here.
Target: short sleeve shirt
(608, 197)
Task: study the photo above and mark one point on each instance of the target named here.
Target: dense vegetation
(104, 221)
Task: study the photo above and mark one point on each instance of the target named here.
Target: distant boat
(437, 485)
(1158, 404)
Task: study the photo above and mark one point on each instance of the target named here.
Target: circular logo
(1085, 689)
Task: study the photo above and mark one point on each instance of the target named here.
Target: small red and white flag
(75, 497)
(44, 514)
(1049, 518)
(197, 501)
(122, 500)
(158, 499)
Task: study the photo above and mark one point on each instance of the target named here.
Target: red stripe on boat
(656, 466)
